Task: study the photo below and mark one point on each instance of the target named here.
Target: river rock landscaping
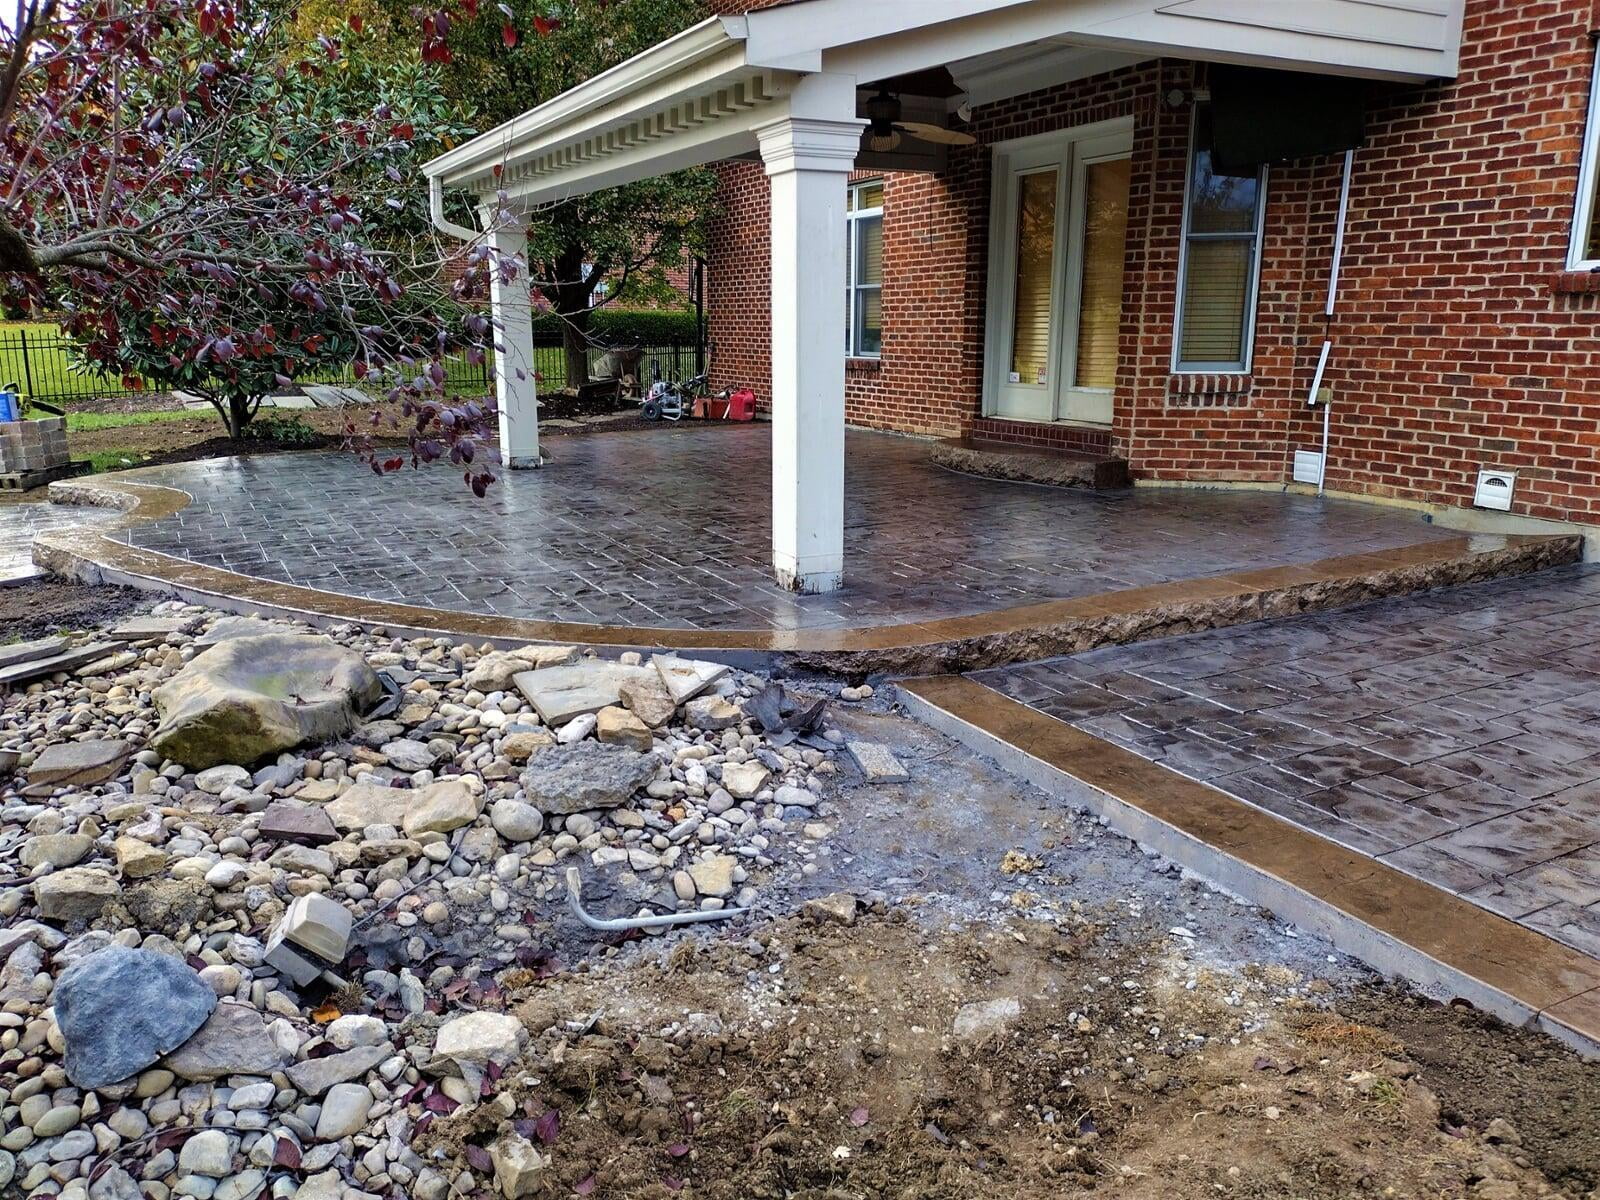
(910, 1010)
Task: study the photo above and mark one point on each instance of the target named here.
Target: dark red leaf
(286, 1154)
(548, 1127)
(508, 34)
(678, 1149)
(584, 1186)
(479, 1159)
(440, 1103)
(858, 1117)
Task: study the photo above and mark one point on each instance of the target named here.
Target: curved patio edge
(964, 643)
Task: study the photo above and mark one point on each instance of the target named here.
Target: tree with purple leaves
(219, 196)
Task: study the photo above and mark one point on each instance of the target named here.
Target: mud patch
(34, 610)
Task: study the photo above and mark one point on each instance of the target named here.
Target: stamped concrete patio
(671, 530)
(1453, 735)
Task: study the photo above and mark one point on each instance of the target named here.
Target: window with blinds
(864, 259)
(1105, 236)
(1036, 258)
(1221, 251)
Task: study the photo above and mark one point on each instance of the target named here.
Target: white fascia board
(630, 88)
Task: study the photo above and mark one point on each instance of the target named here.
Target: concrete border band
(1499, 966)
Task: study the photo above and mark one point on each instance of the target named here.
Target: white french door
(1057, 235)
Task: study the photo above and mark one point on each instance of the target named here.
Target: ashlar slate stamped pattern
(1454, 734)
(671, 529)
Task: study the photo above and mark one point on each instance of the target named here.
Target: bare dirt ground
(35, 610)
(1167, 1042)
(1013, 1002)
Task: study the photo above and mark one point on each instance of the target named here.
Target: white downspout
(436, 211)
(1327, 312)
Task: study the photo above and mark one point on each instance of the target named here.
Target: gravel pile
(148, 1048)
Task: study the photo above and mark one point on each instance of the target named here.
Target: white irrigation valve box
(1494, 490)
(311, 938)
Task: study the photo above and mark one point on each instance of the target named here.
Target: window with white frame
(1219, 262)
(864, 272)
(1584, 253)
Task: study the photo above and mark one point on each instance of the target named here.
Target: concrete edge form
(1393, 922)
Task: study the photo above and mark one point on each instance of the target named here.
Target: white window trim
(1583, 212)
(854, 215)
(1179, 367)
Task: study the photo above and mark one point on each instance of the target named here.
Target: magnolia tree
(216, 200)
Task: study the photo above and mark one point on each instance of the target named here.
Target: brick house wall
(1459, 342)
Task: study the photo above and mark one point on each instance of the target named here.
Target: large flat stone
(21, 652)
(316, 1075)
(368, 804)
(79, 764)
(67, 660)
(584, 775)
(577, 689)
(147, 629)
(234, 1041)
(291, 821)
(120, 1010)
(686, 678)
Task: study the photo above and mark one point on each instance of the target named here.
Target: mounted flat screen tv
(1260, 116)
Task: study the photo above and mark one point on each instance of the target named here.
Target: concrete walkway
(1453, 735)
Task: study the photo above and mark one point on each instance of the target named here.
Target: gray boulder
(120, 1010)
(584, 775)
(250, 697)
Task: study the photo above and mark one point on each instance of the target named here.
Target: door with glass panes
(1057, 238)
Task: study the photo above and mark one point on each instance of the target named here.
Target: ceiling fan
(883, 133)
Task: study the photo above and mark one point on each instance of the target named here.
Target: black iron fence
(40, 362)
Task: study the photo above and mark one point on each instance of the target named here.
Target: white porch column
(516, 391)
(808, 161)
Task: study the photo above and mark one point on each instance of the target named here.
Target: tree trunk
(575, 345)
(235, 413)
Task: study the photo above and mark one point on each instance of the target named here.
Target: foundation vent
(1307, 466)
(1494, 489)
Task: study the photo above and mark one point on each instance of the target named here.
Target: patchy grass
(84, 422)
(101, 461)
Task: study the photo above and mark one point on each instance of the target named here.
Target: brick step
(1057, 468)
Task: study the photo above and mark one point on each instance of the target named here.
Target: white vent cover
(1494, 489)
(1307, 466)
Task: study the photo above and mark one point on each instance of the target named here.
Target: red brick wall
(1457, 344)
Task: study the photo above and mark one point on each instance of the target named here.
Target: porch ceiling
(701, 96)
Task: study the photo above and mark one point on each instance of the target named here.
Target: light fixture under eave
(882, 143)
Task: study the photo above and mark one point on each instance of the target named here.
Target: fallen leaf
(548, 1126)
(328, 1012)
(478, 1159)
(858, 1117)
(286, 1154)
(678, 1149)
(584, 1186)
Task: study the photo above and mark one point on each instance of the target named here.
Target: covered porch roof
(789, 86)
(699, 97)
